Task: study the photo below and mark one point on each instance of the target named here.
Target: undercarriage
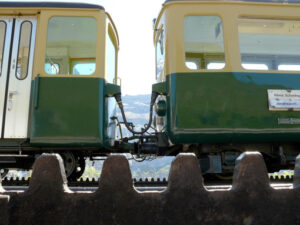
(217, 160)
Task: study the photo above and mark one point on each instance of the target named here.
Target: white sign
(284, 100)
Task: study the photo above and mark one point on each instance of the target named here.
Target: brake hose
(120, 104)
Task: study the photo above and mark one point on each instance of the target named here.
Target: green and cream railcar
(58, 66)
(230, 73)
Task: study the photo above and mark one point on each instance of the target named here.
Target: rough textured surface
(297, 173)
(4, 210)
(251, 201)
(4, 199)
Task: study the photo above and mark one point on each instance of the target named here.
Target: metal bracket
(112, 89)
(160, 88)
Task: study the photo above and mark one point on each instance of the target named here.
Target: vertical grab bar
(36, 91)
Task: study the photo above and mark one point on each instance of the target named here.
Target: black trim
(3, 46)
(50, 5)
(7, 78)
(4, 42)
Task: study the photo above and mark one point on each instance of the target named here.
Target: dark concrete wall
(251, 201)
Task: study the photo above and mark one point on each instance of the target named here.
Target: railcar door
(17, 36)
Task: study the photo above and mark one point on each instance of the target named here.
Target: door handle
(10, 99)
(11, 94)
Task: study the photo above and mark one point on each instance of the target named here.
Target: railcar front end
(58, 68)
(229, 75)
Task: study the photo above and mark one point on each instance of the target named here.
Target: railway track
(144, 183)
(277, 186)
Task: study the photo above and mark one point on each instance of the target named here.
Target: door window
(2, 41)
(160, 53)
(204, 43)
(23, 50)
(110, 58)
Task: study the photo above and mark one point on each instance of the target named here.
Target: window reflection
(203, 42)
(51, 68)
(71, 44)
(269, 44)
(160, 53)
(110, 58)
(23, 51)
(2, 41)
(215, 66)
(289, 67)
(255, 66)
(83, 68)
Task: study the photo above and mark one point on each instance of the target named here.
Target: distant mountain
(136, 109)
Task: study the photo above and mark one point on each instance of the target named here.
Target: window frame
(76, 61)
(29, 48)
(111, 35)
(270, 69)
(3, 46)
(71, 59)
(224, 44)
(54, 64)
(160, 31)
(41, 40)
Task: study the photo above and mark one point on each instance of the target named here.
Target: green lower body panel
(70, 112)
(228, 107)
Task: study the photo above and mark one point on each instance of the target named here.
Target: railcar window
(203, 42)
(23, 51)
(191, 65)
(255, 66)
(52, 68)
(215, 66)
(289, 67)
(71, 43)
(2, 41)
(160, 53)
(269, 44)
(110, 58)
(84, 68)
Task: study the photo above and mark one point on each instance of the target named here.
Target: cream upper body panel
(42, 33)
(173, 15)
(44, 11)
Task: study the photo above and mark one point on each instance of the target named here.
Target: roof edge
(11, 4)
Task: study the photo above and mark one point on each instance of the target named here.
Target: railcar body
(58, 67)
(229, 73)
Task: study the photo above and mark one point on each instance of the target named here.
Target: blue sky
(133, 19)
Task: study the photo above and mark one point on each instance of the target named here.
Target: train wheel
(79, 169)
(69, 162)
(74, 165)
